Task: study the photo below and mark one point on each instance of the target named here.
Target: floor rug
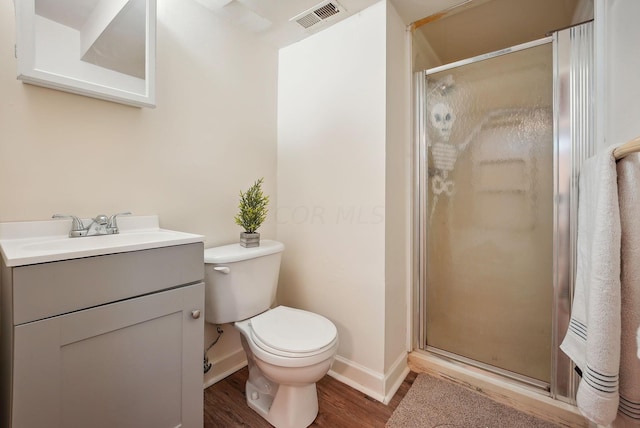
(432, 402)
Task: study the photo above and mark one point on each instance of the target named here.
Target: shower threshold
(519, 379)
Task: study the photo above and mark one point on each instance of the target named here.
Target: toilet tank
(240, 282)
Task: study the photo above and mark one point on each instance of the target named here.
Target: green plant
(253, 208)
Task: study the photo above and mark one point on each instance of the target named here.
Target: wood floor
(340, 405)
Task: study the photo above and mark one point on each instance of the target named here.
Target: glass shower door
(489, 209)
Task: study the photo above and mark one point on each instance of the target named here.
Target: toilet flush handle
(222, 269)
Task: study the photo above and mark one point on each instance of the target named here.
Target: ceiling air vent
(318, 13)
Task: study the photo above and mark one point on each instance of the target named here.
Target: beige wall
(212, 134)
(343, 154)
(342, 173)
(398, 190)
(331, 144)
(621, 65)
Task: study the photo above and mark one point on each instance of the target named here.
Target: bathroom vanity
(105, 333)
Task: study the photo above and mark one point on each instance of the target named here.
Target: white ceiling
(520, 20)
(413, 10)
(270, 18)
(497, 24)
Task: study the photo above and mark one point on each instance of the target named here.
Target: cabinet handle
(195, 314)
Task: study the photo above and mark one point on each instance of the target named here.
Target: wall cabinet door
(135, 363)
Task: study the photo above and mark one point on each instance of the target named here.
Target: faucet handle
(101, 219)
(76, 224)
(113, 224)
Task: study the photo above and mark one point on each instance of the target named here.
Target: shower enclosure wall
(500, 139)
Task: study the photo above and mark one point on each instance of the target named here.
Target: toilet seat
(292, 333)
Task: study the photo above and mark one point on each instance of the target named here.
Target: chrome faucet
(103, 225)
(112, 223)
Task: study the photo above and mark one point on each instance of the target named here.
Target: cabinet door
(135, 363)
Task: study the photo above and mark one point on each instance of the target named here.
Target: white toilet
(288, 350)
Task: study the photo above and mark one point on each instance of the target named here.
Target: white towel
(629, 202)
(593, 338)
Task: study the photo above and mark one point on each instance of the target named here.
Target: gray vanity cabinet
(106, 341)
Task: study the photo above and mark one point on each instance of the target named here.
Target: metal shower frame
(574, 141)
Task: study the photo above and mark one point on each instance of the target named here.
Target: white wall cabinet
(126, 362)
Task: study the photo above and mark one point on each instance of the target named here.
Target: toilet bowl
(288, 350)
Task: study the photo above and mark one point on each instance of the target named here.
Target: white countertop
(32, 242)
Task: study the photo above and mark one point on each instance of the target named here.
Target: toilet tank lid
(236, 253)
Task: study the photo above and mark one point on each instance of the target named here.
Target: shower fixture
(442, 86)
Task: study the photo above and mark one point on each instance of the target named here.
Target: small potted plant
(253, 212)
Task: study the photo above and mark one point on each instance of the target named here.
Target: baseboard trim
(376, 385)
(225, 366)
(518, 397)
(395, 376)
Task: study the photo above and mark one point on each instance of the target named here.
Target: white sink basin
(26, 243)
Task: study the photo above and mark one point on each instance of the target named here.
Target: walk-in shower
(500, 138)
